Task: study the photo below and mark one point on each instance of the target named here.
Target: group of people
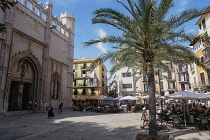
(49, 109)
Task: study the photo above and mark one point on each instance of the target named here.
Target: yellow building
(89, 85)
(202, 51)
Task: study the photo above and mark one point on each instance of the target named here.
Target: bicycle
(162, 125)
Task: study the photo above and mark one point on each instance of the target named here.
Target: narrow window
(145, 87)
(56, 85)
(202, 78)
(29, 5)
(36, 11)
(75, 91)
(44, 17)
(204, 24)
(84, 92)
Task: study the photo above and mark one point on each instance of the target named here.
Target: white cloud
(101, 33)
(182, 4)
(101, 46)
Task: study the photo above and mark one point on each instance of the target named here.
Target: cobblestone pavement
(74, 125)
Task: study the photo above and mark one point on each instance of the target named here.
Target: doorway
(13, 97)
(25, 98)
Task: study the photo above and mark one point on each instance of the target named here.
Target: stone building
(36, 56)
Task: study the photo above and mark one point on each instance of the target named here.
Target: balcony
(87, 85)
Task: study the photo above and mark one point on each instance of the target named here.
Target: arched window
(56, 85)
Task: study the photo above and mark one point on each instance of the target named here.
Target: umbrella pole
(184, 115)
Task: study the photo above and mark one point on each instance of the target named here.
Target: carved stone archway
(24, 83)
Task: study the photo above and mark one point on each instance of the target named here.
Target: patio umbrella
(129, 98)
(186, 95)
(108, 99)
(118, 98)
(156, 96)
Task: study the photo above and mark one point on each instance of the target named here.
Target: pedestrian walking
(45, 107)
(144, 117)
(60, 108)
(50, 111)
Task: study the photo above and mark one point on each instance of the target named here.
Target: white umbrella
(156, 96)
(187, 95)
(128, 98)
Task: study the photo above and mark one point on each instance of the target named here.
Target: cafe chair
(203, 123)
(176, 122)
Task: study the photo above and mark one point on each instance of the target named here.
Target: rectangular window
(84, 82)
(92, 91)
(180, 67)
(75, 82)
(181, 77)
(204, 24)
(84, 66)
(76, 66)
(170, 75)
(182, 87)
(200, 26)
(75, 91)
(127, 74)
(44, 17)
(145, 78)
(36, 11)
(171, 85)
(84, 92)
(202, 79)
(76, 74)
(170, 65)
(145, 87)
(161, 85)
(126, 85)
(28, 5)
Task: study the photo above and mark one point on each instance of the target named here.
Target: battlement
(63, 25)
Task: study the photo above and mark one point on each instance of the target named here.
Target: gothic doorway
(26, 92)
(23, 86)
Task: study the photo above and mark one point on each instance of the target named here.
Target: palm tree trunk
(152, 102)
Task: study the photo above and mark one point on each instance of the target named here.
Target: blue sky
(84, 30)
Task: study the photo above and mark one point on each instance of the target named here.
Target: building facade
(127, 82)
(36, 58)
(89, 84)
(202, 51)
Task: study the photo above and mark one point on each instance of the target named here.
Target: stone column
(44, 73)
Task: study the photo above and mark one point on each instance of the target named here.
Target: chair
(176, 121)
(203, 123)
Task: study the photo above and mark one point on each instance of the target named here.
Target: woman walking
(50, 111)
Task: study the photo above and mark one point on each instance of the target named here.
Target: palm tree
(149, 36)
(4, 4)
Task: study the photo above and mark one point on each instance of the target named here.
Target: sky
(85, 31)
